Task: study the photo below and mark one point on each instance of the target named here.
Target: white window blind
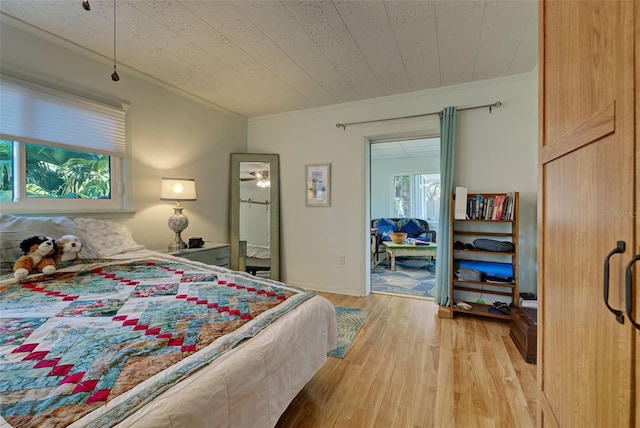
(35, 114)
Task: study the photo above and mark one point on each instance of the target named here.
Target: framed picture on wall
(318, 185)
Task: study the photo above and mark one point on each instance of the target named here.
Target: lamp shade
(178, 189)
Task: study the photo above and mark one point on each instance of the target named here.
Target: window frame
(61, 204)
(431, 176)
(117, 157)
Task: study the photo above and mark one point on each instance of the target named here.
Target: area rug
(413, 277)
(349, 321)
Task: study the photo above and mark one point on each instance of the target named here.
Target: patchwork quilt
(95, 342)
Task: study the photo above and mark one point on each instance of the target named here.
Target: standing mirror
(254, 244)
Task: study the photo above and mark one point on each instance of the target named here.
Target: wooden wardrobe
(589, 159)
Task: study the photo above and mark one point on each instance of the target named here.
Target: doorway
(404, 191)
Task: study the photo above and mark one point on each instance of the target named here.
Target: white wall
(495, 152)
(170, 135)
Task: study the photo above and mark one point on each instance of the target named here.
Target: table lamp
(178, 189)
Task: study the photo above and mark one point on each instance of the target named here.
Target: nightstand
(212, 254)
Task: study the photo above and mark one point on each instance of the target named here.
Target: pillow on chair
(387, 222)
(412, 228)
(385, 230)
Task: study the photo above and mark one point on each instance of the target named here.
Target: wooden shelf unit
(502, 230)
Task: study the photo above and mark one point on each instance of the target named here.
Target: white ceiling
(248, 169)
(422, 147)
(264, 57)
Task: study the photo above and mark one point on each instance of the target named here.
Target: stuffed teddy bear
(39, 253)
(69, 247)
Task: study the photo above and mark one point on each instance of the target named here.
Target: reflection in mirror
(255, 216)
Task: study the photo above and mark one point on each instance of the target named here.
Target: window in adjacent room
(58, 151)
(417, 196)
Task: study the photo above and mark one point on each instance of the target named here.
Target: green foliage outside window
(6, 171)
(53, 172)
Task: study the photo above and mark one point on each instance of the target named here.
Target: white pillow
(107, 237)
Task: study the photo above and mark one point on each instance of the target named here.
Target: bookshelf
(489, 216)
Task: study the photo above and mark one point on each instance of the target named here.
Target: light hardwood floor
(409, 368)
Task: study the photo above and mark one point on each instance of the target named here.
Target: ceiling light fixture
(114, 75)
(264, 180)
(86, 5)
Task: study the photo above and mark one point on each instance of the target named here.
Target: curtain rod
(344, 125)
(249, 201)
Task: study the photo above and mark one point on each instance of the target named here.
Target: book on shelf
(494, 213)
(489, 208)
(498, 207)
(479, 205)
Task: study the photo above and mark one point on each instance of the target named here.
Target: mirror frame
(234, 209)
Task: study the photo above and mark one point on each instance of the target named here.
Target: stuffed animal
(39, 253)
(69, 247)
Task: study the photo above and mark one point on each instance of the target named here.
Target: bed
(258, 260)
(130, 337)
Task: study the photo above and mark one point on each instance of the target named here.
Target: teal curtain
(447, 160)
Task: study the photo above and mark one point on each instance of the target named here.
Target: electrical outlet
(341, 259)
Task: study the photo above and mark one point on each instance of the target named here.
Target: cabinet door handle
(620, 248)
(629, 293)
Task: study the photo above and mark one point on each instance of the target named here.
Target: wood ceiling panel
(526, 58)
(328, 31)
(68, 25)
(459, 25)
(189, 21)
(500, 38)
(369, 25)
(414, 27)
(301, 62)
(190, 28)
(264, 57)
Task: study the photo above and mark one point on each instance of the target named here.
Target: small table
(394, 250)
(211, 253)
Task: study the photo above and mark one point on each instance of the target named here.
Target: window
(417, 196)
(58, 151)
(53, 172)
(6, 169)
